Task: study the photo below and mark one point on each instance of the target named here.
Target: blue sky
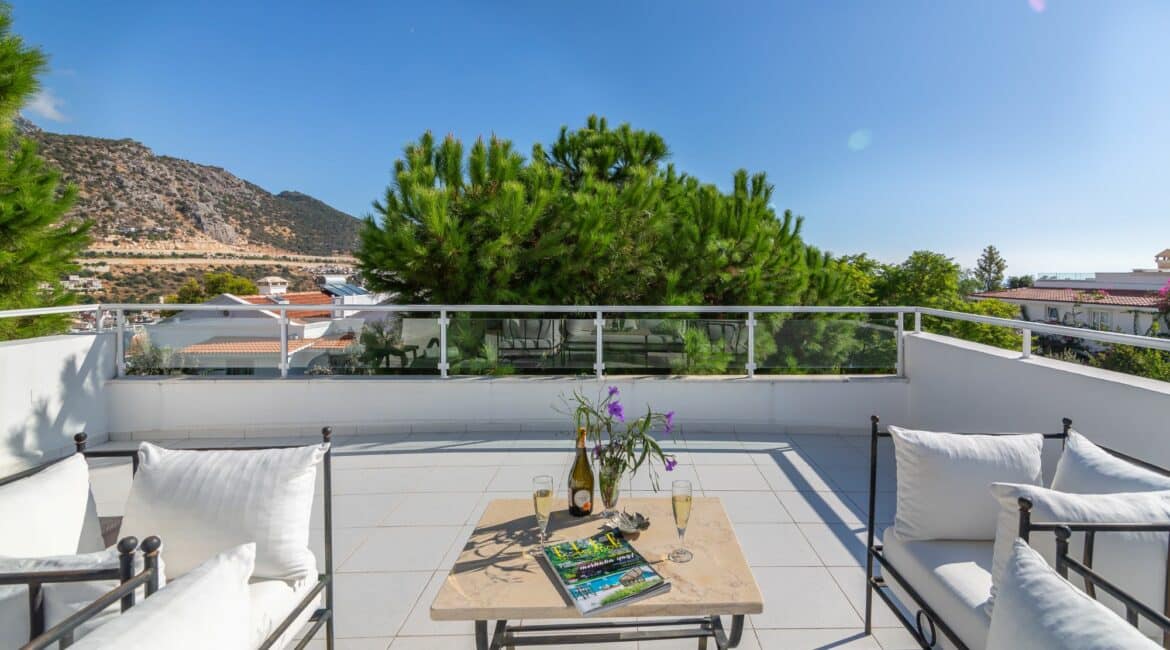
(1040, 126)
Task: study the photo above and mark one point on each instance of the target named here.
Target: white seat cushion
(60, 599)
(208, 608)
(272, 601)
(44, 514)
(953, 577)
(1085, 468)
(202, 502)
(943, 480)
(1135, 562)
(1039, 610)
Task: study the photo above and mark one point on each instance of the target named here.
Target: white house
(1117, 301)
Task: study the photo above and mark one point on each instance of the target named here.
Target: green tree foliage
(1143, 362)
(597, 217)
(217, 283)
(1020, 281)
(929, 279)
(194, 291)
(989, 269)
(37, 246)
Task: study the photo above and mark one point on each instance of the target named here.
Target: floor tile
(345, 542)
(822, 506)
(355, 510)
(837, 544)
(379, 643)
(731, 477)
(375, 604)
(852, 581)
(432, 509)
(895, 639)
(789, 471)
(802, 597)
(409, 548)
(434, 643)
(847, 639)
(753, 507)
(419, 622)
(775, 545)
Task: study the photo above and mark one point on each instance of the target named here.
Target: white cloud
(47, 105)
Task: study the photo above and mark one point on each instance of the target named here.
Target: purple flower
(597, 450)
(669, 417)
(671, 463)
(613, 390)
(615, 411)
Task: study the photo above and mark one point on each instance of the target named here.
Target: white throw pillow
(44, 514)
(60, 599)
(943, 480)
(1135, 562)
(1039, 610)
(1085, 468)
(202, 502)
(207, 608)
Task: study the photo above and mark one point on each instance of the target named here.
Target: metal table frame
(702, 628)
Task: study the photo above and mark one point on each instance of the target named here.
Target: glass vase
(610, 478)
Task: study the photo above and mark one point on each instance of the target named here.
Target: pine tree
(990, 269)
(598, 217)
(37, 246)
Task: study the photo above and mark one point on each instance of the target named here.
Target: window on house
(1053, 313)
(1100, 318)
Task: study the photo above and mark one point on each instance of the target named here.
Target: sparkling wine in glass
(542, 499)
(680, 499)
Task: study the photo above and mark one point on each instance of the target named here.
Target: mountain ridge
(141, 201)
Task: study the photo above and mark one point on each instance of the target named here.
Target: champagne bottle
(581, 481)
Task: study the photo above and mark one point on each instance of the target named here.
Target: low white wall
(960, 386)
(141, 408)
(50, 389)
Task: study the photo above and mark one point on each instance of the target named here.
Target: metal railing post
(599, 365)
(97, 320)
(917, 321)
(283, 343)
(443, 322)
(901, 369)
(120, 342)
(751, 344)
(1027, 343)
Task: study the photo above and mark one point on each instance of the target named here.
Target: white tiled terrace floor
(404, 504)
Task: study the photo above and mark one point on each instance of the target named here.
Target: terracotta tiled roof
(1117, 297)
(232, 345)
(293, 298)
(296, 298)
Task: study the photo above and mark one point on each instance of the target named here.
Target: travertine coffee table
(495, 579)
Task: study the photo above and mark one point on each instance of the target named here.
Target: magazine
(603, 572)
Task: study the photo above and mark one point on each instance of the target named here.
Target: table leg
(481, 638)
(736, 631)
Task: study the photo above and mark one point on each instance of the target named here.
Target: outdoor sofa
(943, 591)
(277, 608)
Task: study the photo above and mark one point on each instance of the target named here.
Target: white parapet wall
(961, 386)
(52, 388)
(181, 407)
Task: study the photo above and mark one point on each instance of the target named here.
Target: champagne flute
(681, 499)
(542, 498)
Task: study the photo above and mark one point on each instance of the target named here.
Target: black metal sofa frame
(926, 623)
(129, 582)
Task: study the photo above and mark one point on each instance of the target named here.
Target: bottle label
(581, 498)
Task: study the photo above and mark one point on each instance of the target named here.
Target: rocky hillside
(140, 201)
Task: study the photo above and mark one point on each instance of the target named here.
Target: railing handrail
(591, 311)
(1058, 330)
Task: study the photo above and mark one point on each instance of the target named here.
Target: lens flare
(1038, 5)
(860, 140)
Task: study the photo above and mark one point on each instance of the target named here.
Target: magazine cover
(603, 572)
